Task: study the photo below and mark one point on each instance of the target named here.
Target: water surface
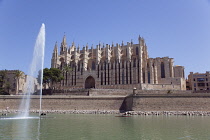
(106, 127)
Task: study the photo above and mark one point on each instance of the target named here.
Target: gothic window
(137, 51)
(134, 62)
(143, 76)
(130, 74)
(93, 65)
(75, 77)
(122, 64)
(126, 73)
(79, 66)
(108, 74)
(119, 72)
(123, 78)
(115, 73)
(101, 78)
(162, 70)
(101, 66)
(148, 77)
(82, 69)
(98, 71)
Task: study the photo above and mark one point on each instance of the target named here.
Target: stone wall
(151, 101)
(64, 103)
(173, 102)
(110, 92)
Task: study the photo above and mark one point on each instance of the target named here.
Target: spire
(122, 43)
(78, 49)
(64, 39)
(139, 38)
(73, 44)
(99, 45)
(131, 41)
(55, 51)
(86, 47)
(56, 46)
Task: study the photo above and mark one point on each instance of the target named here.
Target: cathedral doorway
(90, 82)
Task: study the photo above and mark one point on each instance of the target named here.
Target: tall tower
(63, 47)
(54, 59)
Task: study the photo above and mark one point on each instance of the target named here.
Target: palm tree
(18, 75)
(66, 69)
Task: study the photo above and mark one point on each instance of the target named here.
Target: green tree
(51, 76)
(3, 76)
(47, 77)
(56, 75)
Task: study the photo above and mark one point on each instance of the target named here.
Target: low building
(14, 82)
(199, 81)
(10, 82)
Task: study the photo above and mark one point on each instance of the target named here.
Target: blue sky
(179, 29)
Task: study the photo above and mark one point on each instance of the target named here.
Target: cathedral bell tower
(63, 47)
(54, 59)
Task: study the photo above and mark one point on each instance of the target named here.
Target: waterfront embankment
(116, 112)
(154, 103)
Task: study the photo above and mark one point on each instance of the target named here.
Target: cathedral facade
(120, 66)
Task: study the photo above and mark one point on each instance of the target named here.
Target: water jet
(35, 74)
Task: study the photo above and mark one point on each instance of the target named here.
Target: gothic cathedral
(120, 66)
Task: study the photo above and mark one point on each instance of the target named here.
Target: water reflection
(95, 127)
(19, 128)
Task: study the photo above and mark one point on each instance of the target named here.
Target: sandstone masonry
(120, 66)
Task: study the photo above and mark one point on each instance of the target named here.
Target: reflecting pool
(105, 127)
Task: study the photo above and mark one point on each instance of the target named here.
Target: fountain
(35, 68)
(23, 121)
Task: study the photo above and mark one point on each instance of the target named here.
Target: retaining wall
(172, 102)
(64, 103)
(139, 102)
